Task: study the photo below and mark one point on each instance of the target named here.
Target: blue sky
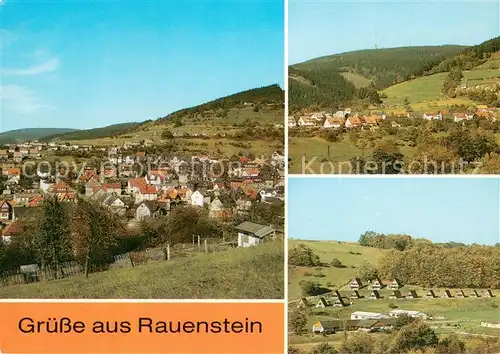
(440, 209)
(318, 28)
(85, 64)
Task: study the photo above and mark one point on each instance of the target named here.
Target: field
(252, 273)
(340, 154)
(457, 315)
(328, 250)
(424, 93)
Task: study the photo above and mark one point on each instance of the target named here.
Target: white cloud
(7, 38)
(48, 66)
(21, 100)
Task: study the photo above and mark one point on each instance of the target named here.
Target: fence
(33, 273)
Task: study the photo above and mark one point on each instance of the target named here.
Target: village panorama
(180, 207)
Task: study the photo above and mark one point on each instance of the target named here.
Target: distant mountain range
(22, 135)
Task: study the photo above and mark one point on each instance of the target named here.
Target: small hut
(412, 294)
(431, 294)
(396, 294)
(446, 295)
(322, 302)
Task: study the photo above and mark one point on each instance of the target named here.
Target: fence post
(131, 261)
(168, 251)
(199, 245)
(206, 246)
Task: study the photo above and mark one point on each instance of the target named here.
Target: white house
(362, 315)
(305, 121)
(432, 116)
(414, 314)
(251, 234)
(291, 121)
(199, 199)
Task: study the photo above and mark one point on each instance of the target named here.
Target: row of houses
(347, 119)
(337, 300)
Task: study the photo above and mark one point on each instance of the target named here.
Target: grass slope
(27, 134)
(327, 251)
(253, 273)
(425, 92)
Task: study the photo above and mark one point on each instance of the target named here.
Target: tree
(298, 322)
(356, 343)
(367, 272)
(337, 263)
(184, 222)
(311, 288)
(416, 335)
(52, 239)
(402, 321)
(95, 233)
(303, 256)
(166, 134)
(450, 345)
(324, 348)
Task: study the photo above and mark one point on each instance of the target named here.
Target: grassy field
(340, 154)
(253, 273)
(456, 315)
(424, 93)
(327, 251)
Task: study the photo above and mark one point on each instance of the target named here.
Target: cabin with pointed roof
(431, 294)
(322, 302)
(475, 293)
(336, 294)
(356, 284)
(375, 295)
(461, 294)
(339, 302)
(394, 285)
(446, 295)
(376, 284)
(488, 293)
(303, 303)
(355, 295)
(412, 294)
(396, 294)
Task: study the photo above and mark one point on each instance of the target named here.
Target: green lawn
(314, 152)
(427, 88)
(335, 277)
(252, 273)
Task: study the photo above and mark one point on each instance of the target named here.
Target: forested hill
(272, 94)
(470, 57)
(22, 135)
(335, 79)
(96, 133)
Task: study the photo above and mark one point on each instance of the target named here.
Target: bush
(311, 288)
(303, 256)
(337, 263)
